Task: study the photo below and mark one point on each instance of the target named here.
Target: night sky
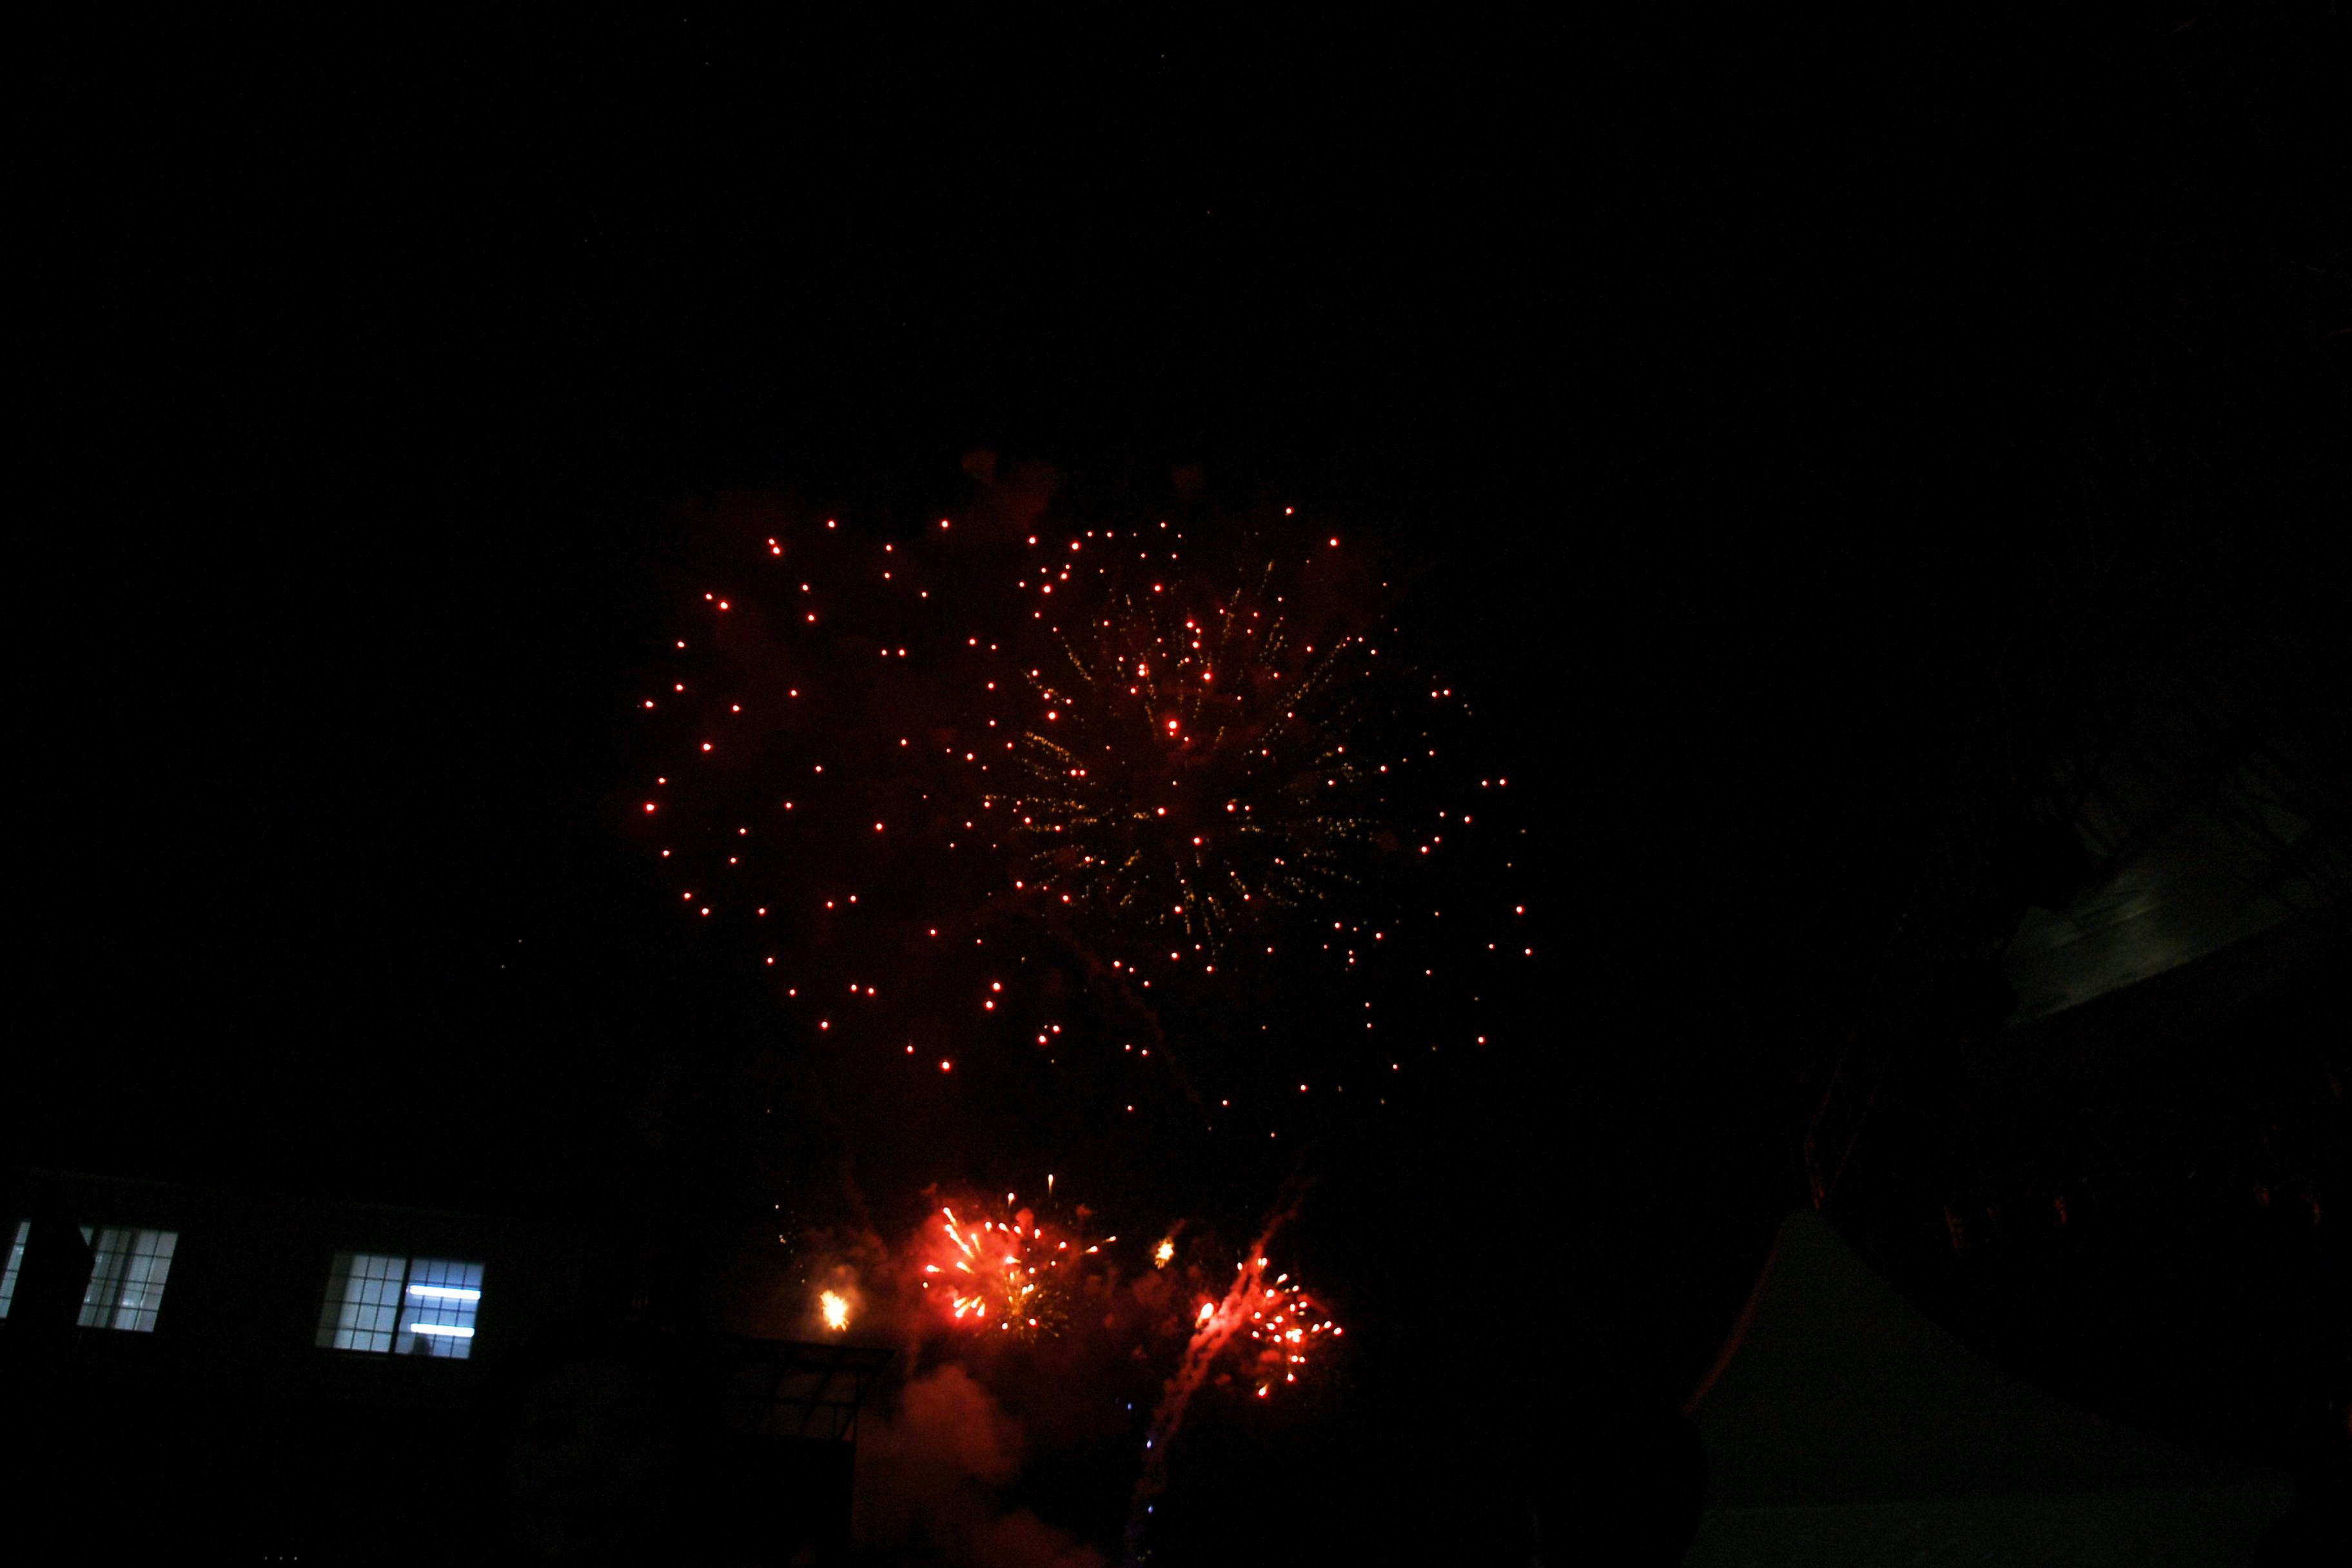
(1752, 412)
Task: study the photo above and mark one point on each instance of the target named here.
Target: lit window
(126, 1279)
(16, 1262)
(422, 1306)
(362, 1301)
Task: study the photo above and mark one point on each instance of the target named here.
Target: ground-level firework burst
(973, 1268)
(1259, 1332)
(1284, 1324)
(1014, 1273)
(1041, 1322)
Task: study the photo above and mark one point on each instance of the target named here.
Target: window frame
(17, 1236)
(447, 1299)
(138, 1256)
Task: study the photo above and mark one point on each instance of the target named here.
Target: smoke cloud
(927, 1473)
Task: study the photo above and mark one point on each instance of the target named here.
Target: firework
(1012, 1273)
(1186, 774)
(975, 1267)
(1263, 1331)
(1009, 1297)
(924, 783)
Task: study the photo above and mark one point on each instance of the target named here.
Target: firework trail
(1279, 1317)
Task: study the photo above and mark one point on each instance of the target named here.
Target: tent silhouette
(1843, 1427)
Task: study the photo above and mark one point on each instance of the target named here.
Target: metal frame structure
(787, 1388)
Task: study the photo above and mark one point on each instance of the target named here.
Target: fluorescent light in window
(449, 1328)
(449, 1292)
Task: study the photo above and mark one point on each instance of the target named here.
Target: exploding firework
(1015, 1300)
(1158, 837)
(1285, 1326)
(973, 1265)
(1013, 1274)
(1260, 1333)
(1186, 772)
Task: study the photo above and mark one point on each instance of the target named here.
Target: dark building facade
(237, 1377)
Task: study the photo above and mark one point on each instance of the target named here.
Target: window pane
(437, 1311)
(379, 1302)
(127, 1277)
(16, 1262)
(362, 1301)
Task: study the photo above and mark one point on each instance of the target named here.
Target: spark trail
(1279, 1320)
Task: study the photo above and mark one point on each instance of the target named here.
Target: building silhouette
(251, 1376)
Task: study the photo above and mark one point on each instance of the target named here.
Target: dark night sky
(1739, 389)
